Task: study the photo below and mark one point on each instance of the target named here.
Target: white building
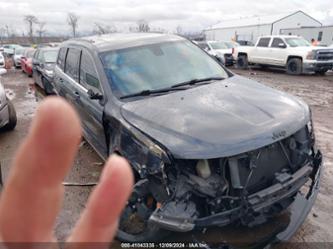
(249, 29)
(323, 34)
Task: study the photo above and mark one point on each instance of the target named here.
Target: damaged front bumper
(287, 186)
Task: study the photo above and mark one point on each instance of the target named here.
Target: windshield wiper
(196, 81)
(150, 92)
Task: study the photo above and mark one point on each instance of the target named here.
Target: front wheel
(242, 62)
(294, 66)
(133, 225)
(12, 117)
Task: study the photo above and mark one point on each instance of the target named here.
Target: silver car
(7, 111)
(2, 61)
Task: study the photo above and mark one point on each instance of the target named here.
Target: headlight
(155, 159)
(311, 55)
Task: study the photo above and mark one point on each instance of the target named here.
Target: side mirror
(36, 63)
(282, 45)
(94, 95)
(2, 71)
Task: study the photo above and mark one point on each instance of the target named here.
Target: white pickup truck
(293, 53)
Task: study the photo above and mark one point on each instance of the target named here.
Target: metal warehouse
(323, 34)
(249, 29)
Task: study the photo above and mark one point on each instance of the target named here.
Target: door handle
(77, 95)
(61, 80)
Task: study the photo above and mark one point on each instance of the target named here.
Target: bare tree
(31, 20)
(143, 26)
(2, 34)
(72, 20)
(104, 29)
(41, 30)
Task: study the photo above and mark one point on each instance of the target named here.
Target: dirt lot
(317, 91)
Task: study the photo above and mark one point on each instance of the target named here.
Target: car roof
(280, 36)
(117, 41)
(48, 49)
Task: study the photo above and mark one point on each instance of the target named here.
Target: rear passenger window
(62, 58)
(88, 74)
(72, 63)
(264, 42)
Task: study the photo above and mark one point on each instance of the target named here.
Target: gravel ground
(317, 91)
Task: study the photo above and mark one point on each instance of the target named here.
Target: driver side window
(276, 42)
(88, 74)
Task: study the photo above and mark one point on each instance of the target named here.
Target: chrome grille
(325, 55)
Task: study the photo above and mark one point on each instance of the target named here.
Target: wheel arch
(294, 57)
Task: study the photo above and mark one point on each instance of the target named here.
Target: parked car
(2, 61)
(9, 49)
(7, 111)
(18, 52)
(293, 53)
(26, 61)
(43, 67)
(207, 147)
(219, 49)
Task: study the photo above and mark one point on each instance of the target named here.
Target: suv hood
(221, 119)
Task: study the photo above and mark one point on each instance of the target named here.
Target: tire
(294, 66)
(143, 232)
(12, 117)
(242, 62)
(47, 87)
(321, 72)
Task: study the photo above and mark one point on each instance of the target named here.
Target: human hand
(33, 193)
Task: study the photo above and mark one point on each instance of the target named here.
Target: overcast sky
(191, 15)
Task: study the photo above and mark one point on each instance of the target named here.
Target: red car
(26, 61)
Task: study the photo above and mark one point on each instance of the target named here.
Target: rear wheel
(12, 117)
(294, 66)
(133, 225)
(242, 62)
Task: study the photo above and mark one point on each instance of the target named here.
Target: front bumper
(257, 202)
(4, 116)
(315, 66)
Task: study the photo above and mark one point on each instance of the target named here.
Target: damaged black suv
(208, 148)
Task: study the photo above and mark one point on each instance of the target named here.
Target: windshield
(297, 42)
(19, 51)
(50, 56)
(219, 45)
(157, 66)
